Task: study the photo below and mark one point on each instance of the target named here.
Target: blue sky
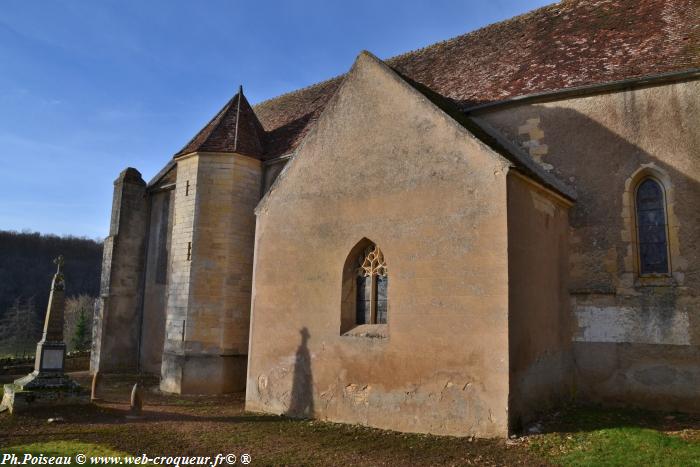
(88, 88)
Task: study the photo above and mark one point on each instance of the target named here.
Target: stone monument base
(39, 390)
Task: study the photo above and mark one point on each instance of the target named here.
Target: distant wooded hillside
(26, 269)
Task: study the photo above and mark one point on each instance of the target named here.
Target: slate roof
(568, 44)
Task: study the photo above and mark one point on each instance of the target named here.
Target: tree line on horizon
(26, 271)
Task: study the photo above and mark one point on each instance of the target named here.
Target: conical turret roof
(234, 129)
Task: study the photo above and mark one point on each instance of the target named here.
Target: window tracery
(372, 282)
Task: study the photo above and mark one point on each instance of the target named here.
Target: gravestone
(47, 385)
(136, 400)
(136, 403)
(95, 386)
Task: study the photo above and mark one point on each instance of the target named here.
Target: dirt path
(210, 425)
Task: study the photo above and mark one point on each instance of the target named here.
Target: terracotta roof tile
(234, 129)
(288, 118)
(567, 44)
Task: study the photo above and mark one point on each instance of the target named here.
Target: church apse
(206, 329)
(178, 262)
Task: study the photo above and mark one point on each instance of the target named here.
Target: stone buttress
(117, 315)
(207, 284)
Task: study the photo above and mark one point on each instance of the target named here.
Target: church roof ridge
(300, 90)
(565, 45)
(568, 44)
(403, 54)
(473, 31)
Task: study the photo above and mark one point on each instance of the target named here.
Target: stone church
(450, 241)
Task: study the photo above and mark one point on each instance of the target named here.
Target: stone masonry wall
(229, 190)
(117, 315)
(636, 339)
(210, 292)
(179, 284)
(156, 280)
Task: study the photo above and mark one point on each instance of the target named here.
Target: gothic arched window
(651, 227)
(371, 287)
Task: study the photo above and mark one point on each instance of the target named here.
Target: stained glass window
(382, 282)
(372, 281)
(364, 300)
(651, 228)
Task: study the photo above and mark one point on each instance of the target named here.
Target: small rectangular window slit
(189, 251)
(187, 188)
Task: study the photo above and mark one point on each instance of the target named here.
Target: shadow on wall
(598, 162)
(655, 331)
(302, 400)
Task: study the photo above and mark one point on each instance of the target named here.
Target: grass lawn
(207, 426)
(594, 436)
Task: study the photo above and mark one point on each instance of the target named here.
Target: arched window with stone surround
(372, 282)
(364, 298)
(652, 228)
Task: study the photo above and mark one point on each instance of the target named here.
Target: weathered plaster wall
(117, 316)
(212, 261)
(630, 333)
(384, 164)
(156, 280)
(539, 320)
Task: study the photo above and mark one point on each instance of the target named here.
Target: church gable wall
(384, 165)
(635, 338)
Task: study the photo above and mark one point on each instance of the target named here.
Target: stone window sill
(655, 281)
(369, 331)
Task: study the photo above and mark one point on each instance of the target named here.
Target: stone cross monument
(51, 350)
(47, 384)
